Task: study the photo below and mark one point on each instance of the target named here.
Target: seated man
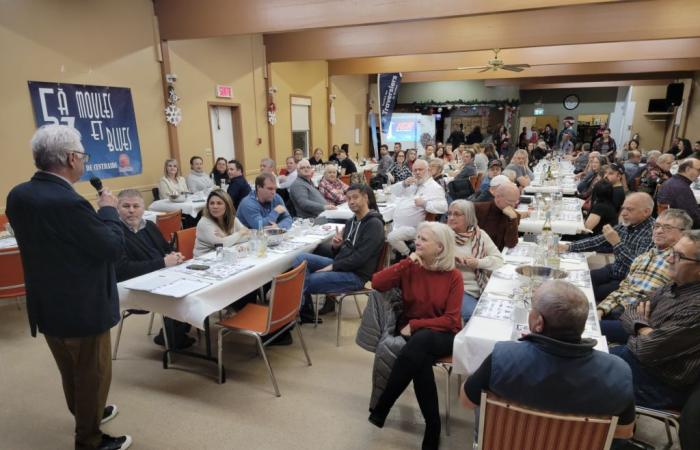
(498, 217)
(632, 169)
(345, 164)
(490, 193)
(198, 180)
(663, 349)
(306, 198)
(145, 251)
(415, 196)
(627, 240)
(267, 165)
(264, 206)
(355, 252)
(676, 192)
(468, 168)
(553, 368)
(648, 272)
(495, 168)
(238, 187)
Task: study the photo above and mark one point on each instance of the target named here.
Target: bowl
(177, 198)
(274, 236)
(540, 272)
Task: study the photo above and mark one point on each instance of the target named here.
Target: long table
(565, 184)
(498, 317)
(191, 206)
(569, 220)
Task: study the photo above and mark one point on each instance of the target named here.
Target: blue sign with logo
(103, 115)
(388, 92)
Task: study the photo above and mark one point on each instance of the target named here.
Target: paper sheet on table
(152, 281)
(180, 288)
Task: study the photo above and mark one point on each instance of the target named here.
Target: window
(301, 123)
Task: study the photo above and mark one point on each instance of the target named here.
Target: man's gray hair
(51, 145)
(683, 220)
(646, 199)
(653, 155)
(129, 193)
(467, 209)
(267, 162)
(564, 308)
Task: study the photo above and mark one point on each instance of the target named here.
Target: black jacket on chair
(68, 252)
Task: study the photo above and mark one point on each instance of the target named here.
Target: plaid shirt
(634, 240)
(671, 352)
(648, 272)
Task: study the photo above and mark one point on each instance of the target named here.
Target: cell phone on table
(198, 267)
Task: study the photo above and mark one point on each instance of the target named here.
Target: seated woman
(331, 187)
(603, 210)
(218, 224)
(475, 253)
(400, 170)
(432, 291)
(590, 175)
(518, 164)
(317, 158)
(220, 172)
(172, 182)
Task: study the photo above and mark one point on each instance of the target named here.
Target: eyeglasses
(665, 227)
(84, 156)
(675, 257)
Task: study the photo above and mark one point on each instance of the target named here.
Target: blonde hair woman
(172, 182)
(331, 187)
(432, 291)
(218, 225)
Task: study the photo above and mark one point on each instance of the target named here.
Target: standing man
(238, 187)
(68, 252)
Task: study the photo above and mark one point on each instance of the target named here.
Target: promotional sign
(412, 130)
(103, 115)
(388, 84)
(373, 131)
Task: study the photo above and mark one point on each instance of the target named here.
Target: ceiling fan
(497, 64)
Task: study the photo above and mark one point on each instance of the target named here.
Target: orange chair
(345, 179)
(11, 274)
(475, 180)
(3, 221)
(368, 176)
(169, 224)
(338, 297)
(505, 425)
(184, 242)
(277, 317)
(661, 207)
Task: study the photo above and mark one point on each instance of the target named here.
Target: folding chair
(169, 224)
(11, 275)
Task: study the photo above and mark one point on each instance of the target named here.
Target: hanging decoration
(271, 108)
(465, 105)
(331, 111)
(173, 113)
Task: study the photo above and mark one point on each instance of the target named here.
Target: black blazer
(136, 258)
(68, 253)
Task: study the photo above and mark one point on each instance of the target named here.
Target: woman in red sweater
(432, 291)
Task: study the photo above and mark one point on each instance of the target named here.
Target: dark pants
(86, 372)
(612, 329)
(690, 420)
(648, 390)
(415, 363)
(603, 282)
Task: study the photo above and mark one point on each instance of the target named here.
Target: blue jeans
(648, 390)
(468, 305)
(613, 330)
(324, 282)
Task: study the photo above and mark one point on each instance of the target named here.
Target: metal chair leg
(119, 335)
(303, 344)
(357, 305)
(267, 364)
(150, 324)
(317, 297)
(338, 319)
(220, 353)
(448, 371)
(165, 339)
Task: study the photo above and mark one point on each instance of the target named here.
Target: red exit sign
(223, 91)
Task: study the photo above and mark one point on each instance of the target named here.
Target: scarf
(478, 252)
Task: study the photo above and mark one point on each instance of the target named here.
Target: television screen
(402, 129)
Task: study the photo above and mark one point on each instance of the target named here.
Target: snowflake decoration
(173, 115)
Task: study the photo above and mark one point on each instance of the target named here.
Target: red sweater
(431, 299)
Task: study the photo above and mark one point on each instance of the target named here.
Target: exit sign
(223, 91)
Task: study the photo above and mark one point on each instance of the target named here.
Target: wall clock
(571, 101)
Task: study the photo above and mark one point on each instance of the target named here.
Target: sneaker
(328, 306)
(115, 443)
(109, 413)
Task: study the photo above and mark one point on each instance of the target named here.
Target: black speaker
(658, 105)
(674, 94)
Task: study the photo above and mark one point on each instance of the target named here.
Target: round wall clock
(571, 101)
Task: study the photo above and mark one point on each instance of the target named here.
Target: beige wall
(692, 130)
(650, 130)
(306, 78)
(351, 112)
(201, 64)
(71, 42)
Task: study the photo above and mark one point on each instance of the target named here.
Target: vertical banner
(388, 92)
(103, 115)
(373, 131)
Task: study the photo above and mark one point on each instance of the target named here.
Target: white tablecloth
(696, 192)
(343, 212)
(567, 184)
(569, 221)
(189, 207)
(8, 242)
(494, 321)
(197, 306)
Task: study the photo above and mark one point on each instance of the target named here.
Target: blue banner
(103, 115)
(388, 92)
(373, 131)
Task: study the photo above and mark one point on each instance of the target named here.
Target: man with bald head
(499, 218)
(553, 368)
(415, 196)
(631, 237)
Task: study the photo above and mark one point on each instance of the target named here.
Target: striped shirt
(634, 240)
(648, 272)
(671, 352)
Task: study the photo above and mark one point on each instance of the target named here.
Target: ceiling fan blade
(472, 67)
(512, 68)
(486, 69)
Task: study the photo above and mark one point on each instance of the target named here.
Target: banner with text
(103, 115)
(388, 84)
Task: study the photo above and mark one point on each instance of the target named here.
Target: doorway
(226, 133)
(301, 123)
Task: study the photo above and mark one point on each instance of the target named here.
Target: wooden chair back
(661, 207)
(3, 221)
(382, 261)
(286, 297)
(184, 241)
(504, 425)
(475, 180)
(11, 274)
(345, 179)
(368, 176)
(169, 224)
